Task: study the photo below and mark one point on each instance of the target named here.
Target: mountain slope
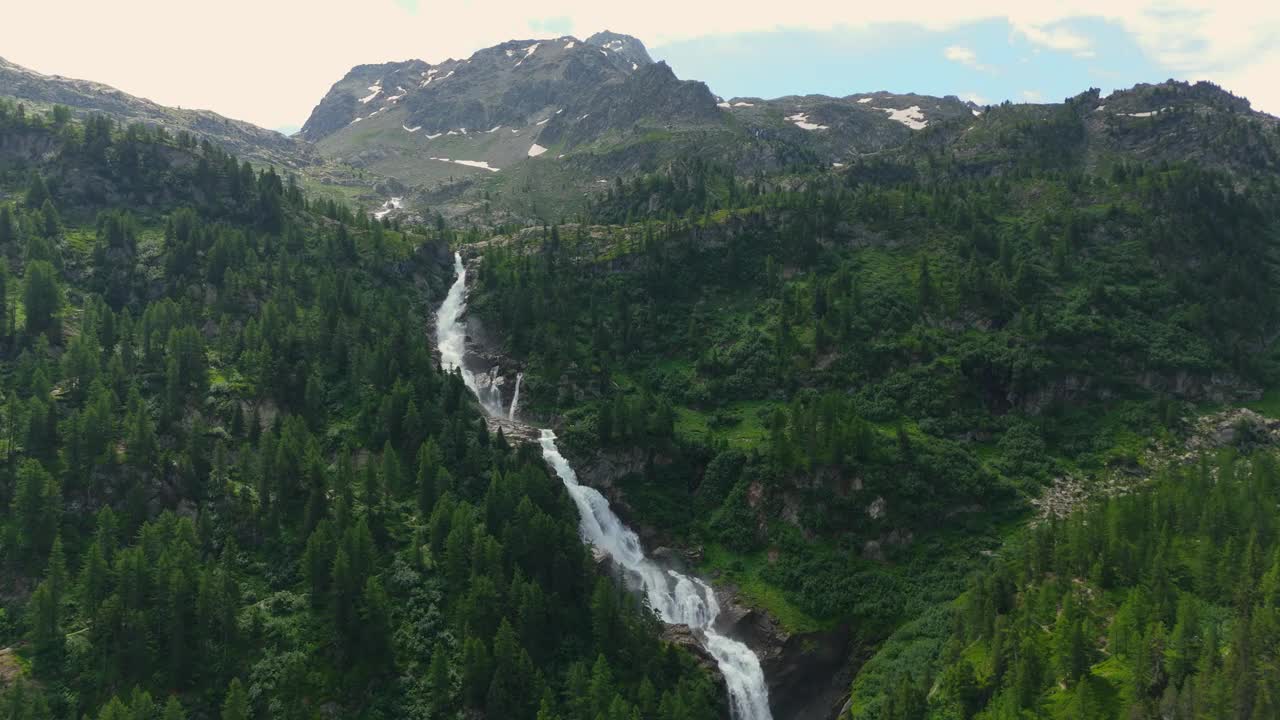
(530, 126)
(532, 129)
(237, 482)
(839, 388)
(427, 124)
(84, 96)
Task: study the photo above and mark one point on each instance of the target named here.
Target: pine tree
(94, 578)
(475, 671)
(50, 223)
(439, 678)
(375, 632)
(45, 623)
(545, 711)
(173, 710)
(42, 297)
(236, 704)
(37, 192)
(924, 285)
(601, 690)
(36, 507)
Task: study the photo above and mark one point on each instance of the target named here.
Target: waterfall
(451, 338)
(491, 391)
(515, 397)
(677, 598)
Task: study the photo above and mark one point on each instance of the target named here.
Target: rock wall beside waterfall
(808, 674)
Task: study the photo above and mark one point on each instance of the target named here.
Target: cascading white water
(451, 338)
(491, 391)
(515, 397)
(678, 599)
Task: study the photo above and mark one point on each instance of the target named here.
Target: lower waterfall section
(515, 397)
(677, 598)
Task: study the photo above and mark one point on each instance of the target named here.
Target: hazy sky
(270, 61)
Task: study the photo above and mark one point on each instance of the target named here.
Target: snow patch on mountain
(801, 120)
(527, 53)
(374, 90)
(535, 150)
(482, 164)
(1149, 113)
(911, 117)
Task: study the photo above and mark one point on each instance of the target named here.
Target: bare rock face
(1238, 427)
(627, 47)
(685, 637)
(10, 670)
(808, 673)
(877, 508)
(514, 430)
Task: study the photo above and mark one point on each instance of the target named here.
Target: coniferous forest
(236, 483)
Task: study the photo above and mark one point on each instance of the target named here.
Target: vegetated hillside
(40, 95)
(236, 482)
(841, 385)
(1159, 604)
(86, 97)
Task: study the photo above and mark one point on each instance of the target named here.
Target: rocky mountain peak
(1177, 94)
(630, 48)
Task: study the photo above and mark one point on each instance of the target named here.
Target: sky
(270, 61)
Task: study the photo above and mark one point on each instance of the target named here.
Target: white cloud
(964, 56)
(975, 98)
(303, 46)
(1257, 80)
(1056, 38)
(1032, 96)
